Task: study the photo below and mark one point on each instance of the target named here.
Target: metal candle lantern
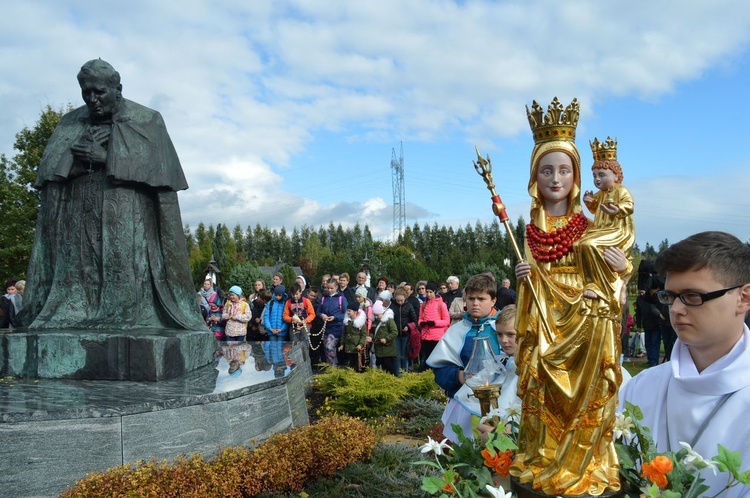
(482, 359)
(487, 396)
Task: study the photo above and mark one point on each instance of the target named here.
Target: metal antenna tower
(399, 197)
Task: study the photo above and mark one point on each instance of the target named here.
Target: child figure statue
(612, 207)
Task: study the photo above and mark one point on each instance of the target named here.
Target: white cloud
(246, 87)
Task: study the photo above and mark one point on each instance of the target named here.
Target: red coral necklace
(551, 246)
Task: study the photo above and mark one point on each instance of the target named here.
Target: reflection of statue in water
(568, 374)
(109, 250)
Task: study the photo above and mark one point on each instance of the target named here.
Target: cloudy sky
(286, 113)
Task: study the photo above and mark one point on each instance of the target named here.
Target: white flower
(623, 425)
(512, 412)
(490, 417)
(432, 445)
(498, 492)
(693, 459)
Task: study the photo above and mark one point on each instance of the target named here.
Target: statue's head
(100, 89)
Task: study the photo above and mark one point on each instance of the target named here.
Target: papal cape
(109, 249)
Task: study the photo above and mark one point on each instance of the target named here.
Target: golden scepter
(484, 168)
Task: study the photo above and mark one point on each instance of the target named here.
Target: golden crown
(604, 151)
(558, 124)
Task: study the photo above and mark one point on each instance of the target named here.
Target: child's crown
(604, 151)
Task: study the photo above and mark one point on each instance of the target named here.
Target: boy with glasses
(702, 395)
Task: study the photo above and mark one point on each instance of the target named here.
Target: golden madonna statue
(569, 370)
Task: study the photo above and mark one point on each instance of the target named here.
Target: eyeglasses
(692, 298)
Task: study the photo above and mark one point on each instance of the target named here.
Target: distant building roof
(273, 269)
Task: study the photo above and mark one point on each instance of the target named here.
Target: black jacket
(403, 315)
(647, 312)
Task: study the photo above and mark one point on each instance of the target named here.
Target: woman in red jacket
(434, 320)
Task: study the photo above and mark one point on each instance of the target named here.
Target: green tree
(245, 275)
(399, 263)
(287, 272)
(19, 201)
(224, 249)
(312, 255)
(238, 236)
(477, 267)
(663, 246)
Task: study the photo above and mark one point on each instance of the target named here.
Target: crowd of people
(345, 321)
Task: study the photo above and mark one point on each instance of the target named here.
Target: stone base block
(138, 355)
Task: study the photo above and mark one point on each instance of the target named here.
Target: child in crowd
(256, 330)
(384, 333)
(354, 336)
(214, 319)
(276, 327)
(236, 314)
(452, 353)
(298, 313)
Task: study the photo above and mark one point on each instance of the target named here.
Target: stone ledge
(121, 422)
(137, 355)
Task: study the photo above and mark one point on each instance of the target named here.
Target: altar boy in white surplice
(702, 396)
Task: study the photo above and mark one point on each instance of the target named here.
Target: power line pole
(399, 195)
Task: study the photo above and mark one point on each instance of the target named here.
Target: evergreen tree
(238, 237)
(219, 249)
(663, 246)
(249, 246)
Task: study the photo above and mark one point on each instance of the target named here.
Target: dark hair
(726, 256)
(295, 288)
(314, 288)
(481, 284)
(265, 295)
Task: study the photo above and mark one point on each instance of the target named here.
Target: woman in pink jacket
(434, 320)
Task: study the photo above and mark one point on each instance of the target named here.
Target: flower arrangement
(668, 474)
(468, 464)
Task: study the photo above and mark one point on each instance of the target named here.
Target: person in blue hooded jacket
(453, 351)
(276, 328)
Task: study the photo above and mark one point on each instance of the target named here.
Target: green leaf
(428, 462)
(653, 491)
(729, 461)
(634, 411)
(670, 494)
(432, 484)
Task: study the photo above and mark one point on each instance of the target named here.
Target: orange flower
(500, 463)
(489, 460)
(657, 469)
(663, 464)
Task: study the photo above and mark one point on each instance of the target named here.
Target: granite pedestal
(144, 354)
(55, 431)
